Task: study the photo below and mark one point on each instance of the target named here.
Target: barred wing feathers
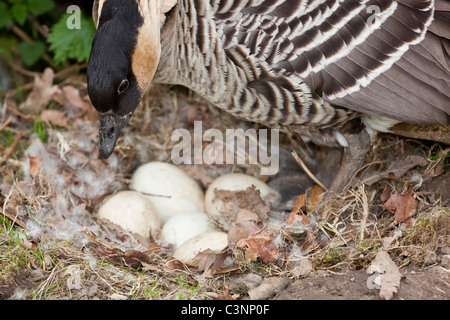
(371, 56)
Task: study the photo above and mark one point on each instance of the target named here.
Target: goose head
(124, 57)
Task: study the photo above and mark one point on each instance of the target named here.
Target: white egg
(214, 240)
(170, 189)
(232, 182)
(184, 226)
(133, 212)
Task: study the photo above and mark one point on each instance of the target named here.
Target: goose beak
(111, 125)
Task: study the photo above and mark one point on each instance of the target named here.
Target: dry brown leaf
(72, 95)
(47, 263)
(42, 93)
(29, 245)
(314, 198)
(32, 261)
(384, 275)
(245, 224)
(226, 295)
(35, 165)
(55, 117)
(400, 167)
(247, 199)
(302, 267)
(386, 193)
(387, 241)
(89, 111)
(260, 245)
(174, 264)
(246, 215)
(131, 258)
(251, 254)
(210, 263)
(309, 244)
(396, 170)
(403, 206)
(73, 277)
(295, 217)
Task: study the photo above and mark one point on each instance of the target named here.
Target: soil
(428, 284)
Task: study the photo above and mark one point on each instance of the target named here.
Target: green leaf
(30, 53)
(38, 7)
(19, 12)
(72, 43)
(39, 128)
(5, 15)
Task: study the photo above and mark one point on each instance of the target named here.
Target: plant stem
(22, 35)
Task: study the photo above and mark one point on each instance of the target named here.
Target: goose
(332, 71)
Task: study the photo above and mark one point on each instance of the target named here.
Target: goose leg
(352, 159)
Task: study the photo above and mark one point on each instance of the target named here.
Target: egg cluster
(166, 204)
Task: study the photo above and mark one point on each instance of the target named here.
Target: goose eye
(123, 86)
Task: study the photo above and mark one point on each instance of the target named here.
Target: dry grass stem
(307, 171)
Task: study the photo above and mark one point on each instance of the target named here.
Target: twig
(15, 219)
(12, 218)
(65, 73)
(13, 91)
(60, 75)
(365, 213)
(22, 71)
(6, 123)
(395, 222)
(43, 30)
(22, 35)
(309, 173)
(155, 195)
(27, 117)
(13, 146)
